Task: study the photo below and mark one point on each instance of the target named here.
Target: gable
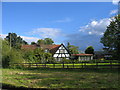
(62, 52)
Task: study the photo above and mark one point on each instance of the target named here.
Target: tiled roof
(52, 48)
(82, 54)
(49, 46)
(30, 47)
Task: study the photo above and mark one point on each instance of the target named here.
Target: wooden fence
(73, 65)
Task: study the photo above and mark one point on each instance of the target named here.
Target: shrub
(10, 55)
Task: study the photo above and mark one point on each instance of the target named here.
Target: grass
(60, 78)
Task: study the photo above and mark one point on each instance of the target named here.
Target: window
(62, 51)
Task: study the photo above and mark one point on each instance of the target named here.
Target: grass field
(60, 78)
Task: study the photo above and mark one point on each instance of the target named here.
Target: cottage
(83, 57)
(58, 51)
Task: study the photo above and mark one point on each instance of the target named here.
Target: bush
(10, 56)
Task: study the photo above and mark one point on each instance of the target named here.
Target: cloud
(114, 12)
(46, 32)
(53, 33)
(29, 39)
(89, 35)
(64, 20)
(96, 27)
(115, 2)
(3, 35)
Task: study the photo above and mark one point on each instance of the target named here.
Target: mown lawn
(60, 78)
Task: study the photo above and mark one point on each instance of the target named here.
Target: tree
(33, 43)
(72, 49)
(39, 54)
(29, 56)
(111, 37)
(47, 56)
(40, 41)
(89, 50)
(48, 41)
(68, 45)
(10, 56)
(63, 61)
(14, 40)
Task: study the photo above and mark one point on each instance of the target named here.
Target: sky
(80, 23)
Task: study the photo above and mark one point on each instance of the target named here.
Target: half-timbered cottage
(58, 51)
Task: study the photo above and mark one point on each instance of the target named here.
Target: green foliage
(40, 41)
(89, 50)
(33, 43)
(46, 41)
(47, 57)
(68, 45)
(52, 60)
(10, 56)
(64, 60)
(39, 55)
(14, 40)
(72, 49)
(29, 56)
(111, 37)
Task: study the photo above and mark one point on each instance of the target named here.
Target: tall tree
(72, 49)
(111, 37)
(14, 40)
(89, 50)
(39, 54)
(40, 41)
(33, 43)
(68, 45)
(48, 41)
(10, 56)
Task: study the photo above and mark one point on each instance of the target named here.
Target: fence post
(63, 64)
(45, 64)
(67, 66)
(53, 65)
(73, 64)
(29, 65)
(36, 65)
(82, 64)
(111, 64)
(96, 64)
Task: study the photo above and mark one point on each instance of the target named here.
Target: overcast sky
(80, 23)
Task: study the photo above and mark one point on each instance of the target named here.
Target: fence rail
(73, 65)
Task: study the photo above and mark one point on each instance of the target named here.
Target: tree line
(12, 53)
